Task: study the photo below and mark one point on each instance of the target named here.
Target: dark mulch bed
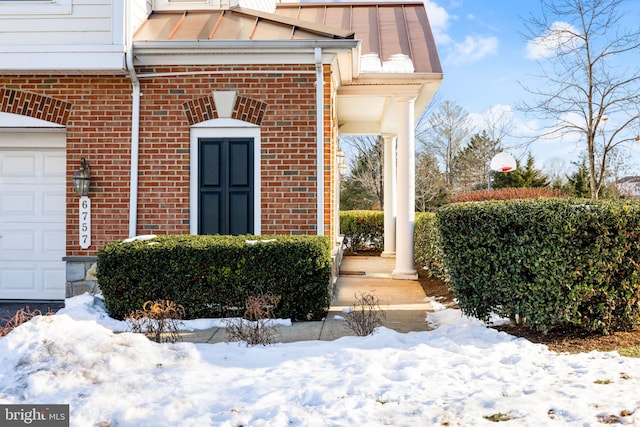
(565, 340)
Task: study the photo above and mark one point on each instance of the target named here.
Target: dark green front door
(225, 181)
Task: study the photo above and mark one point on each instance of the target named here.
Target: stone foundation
(80, 276)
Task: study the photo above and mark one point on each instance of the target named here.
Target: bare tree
(448, 126)
(431, 188)
(556, 170)
(590, 74)
(367, 163)
(498, 124)
(617, 168)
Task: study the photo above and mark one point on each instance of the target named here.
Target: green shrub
(206, 274)
(547, 263)
(363, 230)
(428, 252)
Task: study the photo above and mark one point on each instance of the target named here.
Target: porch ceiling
(372, 109)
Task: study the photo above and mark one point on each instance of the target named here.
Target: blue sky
(484, 57)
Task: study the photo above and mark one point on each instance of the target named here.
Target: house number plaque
(85, 222)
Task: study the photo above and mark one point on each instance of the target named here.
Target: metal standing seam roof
(386, 30)
(236, 23)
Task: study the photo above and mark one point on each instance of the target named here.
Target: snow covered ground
(461, 373)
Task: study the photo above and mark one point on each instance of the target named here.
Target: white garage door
(32, 220)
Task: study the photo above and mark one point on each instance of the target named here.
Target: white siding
(90, 22)
(263, 5)
(140, 9)
(75, 35)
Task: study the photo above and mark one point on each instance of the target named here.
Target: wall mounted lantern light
(82, 179)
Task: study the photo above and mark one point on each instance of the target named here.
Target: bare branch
(583, 83)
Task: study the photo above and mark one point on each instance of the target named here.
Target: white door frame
(223, 128)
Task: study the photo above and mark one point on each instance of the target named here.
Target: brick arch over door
(245, 109)
(34, 105)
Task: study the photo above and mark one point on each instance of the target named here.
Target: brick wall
(97, 113)
(97, 117)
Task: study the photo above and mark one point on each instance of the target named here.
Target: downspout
(135, 128)
(320, 136)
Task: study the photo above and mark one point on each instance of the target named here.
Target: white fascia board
(397, 78)
(61, 58)
(214, 52)
(258, 45)
(62, 49)
(382, 89)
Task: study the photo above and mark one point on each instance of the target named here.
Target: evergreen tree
(578, 182)
(358, 189)
(521, 177)
(470, 168)
(354, 196)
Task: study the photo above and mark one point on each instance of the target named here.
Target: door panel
(32, 223)
(239, 174)
(210, 171)
(210, 213)
(239, 218)
(225, 186)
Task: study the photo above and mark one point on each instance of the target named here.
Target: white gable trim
(63, 58)
(224, 128)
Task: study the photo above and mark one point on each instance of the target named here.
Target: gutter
(320, 136)
(135, 130)
(251, 46)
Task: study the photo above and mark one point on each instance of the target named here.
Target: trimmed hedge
(206, 274)
(546, 263)
(363, 230)
(428, 253)
(508, 194)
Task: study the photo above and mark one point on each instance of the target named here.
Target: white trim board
(9, 120)
(224, 128)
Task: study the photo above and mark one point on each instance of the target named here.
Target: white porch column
(406, 191)
(390, 200)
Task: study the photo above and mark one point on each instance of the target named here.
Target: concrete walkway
(403, 303)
